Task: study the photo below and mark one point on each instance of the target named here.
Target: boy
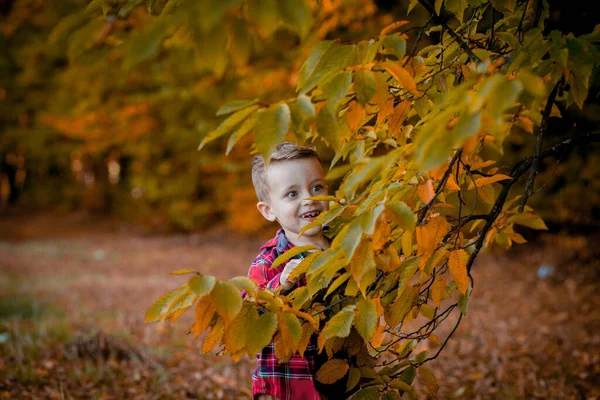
(282, 187)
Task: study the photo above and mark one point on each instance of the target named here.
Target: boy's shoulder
(279, 242)
(272, 248)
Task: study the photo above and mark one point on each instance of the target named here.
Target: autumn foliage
(416, 135)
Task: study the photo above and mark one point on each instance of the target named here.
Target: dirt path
(74, 289)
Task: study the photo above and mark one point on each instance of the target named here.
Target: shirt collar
(281, 242)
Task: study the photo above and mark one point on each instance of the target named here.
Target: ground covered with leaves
(74, 290)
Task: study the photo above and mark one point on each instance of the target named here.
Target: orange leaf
(525, 123)
(451, 184)
(403, 77)
(430, 235)
(332, 371)
(438, 289)
(426, 192)
(354, 115)
(488, 180)
(458, 268)
(397, 118)
(392, 26)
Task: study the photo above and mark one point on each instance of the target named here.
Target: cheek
(325, 205)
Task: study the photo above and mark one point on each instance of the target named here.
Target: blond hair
(284, 152)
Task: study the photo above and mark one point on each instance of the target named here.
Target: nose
(306, 201)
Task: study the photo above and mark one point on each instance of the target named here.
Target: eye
(317, 188)
(291, 194)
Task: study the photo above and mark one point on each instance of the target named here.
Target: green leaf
(294, 251)
(335, 89)
(367, 318)
(457, 7)
(339, 325)
(370, 393)
(340, 280)
(529, 221)
(202, 285)
(353, 378)
(104, 5)
(159, 308)
(242, 131)
(228, 125)
(504, 6)
(272, 126)
(311, 62)
(244, 283)
(146, 45)
(402, 215)
(364, 81)
(297, 14)
(408, 375)
(264, 13)
(83, 38)
(395, 45)
(329, 127)
(235, 105)
(502, 96)
(227, 300)
(463, 300)
(336, 58)
(259, 331)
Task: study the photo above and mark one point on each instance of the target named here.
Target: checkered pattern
(292, 380)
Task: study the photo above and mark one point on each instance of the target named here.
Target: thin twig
(538, 146)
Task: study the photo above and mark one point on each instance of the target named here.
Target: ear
(265, 210)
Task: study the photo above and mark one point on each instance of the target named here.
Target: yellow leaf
(158, 310)
(403, 77)
(430, 382)
(294, 251)
(426, 191)
(290, 329)
(401, 306)
(438, 289)
(214, 336)
(458, 268)
(378, 336)
(205, 310)
(407, 243)
(227, 299)
(307, 332)
(339, 325)
(183, 272)
(332, 371)
(234, 336)
(367, 318)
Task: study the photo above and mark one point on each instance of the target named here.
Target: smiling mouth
(310, 214)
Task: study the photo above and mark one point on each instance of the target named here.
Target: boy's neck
(319, 240)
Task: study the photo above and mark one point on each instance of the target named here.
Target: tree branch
(455, 36)
(539, 144)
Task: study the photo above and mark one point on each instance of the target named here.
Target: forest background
(91, 124)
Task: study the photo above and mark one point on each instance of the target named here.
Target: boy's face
(290, 183)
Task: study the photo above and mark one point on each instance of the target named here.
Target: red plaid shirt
(292, 380)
